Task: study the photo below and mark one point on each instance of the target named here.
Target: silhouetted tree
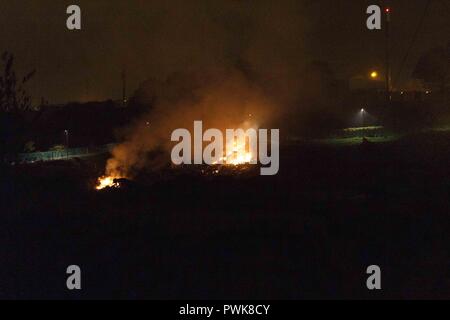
(434, 67)
(13, 101)
(13, 97)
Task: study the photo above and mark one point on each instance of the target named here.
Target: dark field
(309, 232)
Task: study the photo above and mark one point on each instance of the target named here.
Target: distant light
(387, 10)
(427, 92)
(374, 74)
(362, 110)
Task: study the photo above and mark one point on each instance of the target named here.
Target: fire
(239, 155)
(105, 182)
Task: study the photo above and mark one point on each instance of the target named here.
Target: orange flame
(106, 182)
(239, 155)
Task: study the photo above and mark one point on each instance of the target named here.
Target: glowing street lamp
(362, 116)
(66, 134)
(374, 75)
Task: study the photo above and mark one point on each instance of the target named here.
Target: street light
(374, 75)
(362, 116)
(66, 134)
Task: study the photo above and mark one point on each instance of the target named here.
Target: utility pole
(388, 58)
(124, 88)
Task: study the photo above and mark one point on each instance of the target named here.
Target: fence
(375, 131)
(64, 154)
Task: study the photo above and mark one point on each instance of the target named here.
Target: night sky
(156, 38)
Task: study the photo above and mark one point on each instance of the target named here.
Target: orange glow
(105, 182)
(238, 155)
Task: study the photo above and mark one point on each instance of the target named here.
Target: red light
(387, 10)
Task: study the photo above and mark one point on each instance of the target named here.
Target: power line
(413, 40)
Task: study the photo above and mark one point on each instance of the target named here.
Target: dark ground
(309, 232)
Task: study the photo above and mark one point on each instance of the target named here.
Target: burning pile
(239, 155)
(107, 182)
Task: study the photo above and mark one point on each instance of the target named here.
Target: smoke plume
(231, 64)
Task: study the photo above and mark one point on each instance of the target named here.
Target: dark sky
(156, 38)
